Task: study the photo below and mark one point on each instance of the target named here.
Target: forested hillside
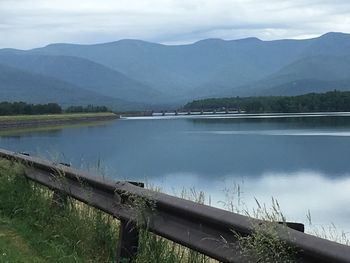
(313, 102)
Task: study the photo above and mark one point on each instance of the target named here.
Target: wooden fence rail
(205, 229)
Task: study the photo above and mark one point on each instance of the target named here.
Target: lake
(303, 162)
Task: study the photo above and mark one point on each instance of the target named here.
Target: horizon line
(169, 43)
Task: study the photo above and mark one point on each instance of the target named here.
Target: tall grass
(71, 233)
(156, 249)
(330, 232)
(74, 232)
(264, 244)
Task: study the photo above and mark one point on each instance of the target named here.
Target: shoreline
(240, 116)
(35, 121)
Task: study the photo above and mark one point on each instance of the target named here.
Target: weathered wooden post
(128, 238)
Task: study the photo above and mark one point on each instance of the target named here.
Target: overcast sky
(32, 23)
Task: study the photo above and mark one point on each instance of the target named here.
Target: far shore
(48, 120)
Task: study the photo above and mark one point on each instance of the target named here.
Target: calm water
(303, 162)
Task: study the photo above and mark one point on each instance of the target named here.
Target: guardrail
(205, 229)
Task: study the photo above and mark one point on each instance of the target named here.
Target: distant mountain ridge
(17, 85)
(82, 73)
(151, 74)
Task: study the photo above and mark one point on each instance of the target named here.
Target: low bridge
(195, 112)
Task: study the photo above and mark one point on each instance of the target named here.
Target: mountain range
(134, 74)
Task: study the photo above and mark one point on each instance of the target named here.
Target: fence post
(128, 241)
(128, 238)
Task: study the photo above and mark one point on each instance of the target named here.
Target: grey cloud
(32, 23)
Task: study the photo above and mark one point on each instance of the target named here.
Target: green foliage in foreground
(13, 248)
(73, 233)
(313, 102)
(264, 244)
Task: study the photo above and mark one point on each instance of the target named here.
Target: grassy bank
(51, 120)
(73, 233)
(65, 116)
(13, 247)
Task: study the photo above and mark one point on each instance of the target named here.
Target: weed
(71, 233)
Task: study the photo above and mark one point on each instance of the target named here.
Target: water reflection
(48, 130)
(17, 134)
(303, 162)
(327, 199)
(289, 123)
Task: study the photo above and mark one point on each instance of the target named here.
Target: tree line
(312, 102)
(89, 108)
(23, 108)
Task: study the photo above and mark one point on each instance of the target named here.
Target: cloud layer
(33, 23)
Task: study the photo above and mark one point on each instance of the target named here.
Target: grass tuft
(72, 233)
